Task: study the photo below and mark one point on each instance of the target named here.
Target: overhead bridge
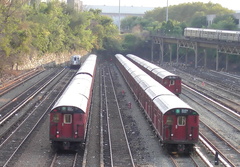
(225, 48)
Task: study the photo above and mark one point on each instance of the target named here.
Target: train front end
(180, 125)
(67, 128)
(181, 130)
(75, 62)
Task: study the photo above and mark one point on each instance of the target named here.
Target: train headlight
(76, 134)
(190, 135)
(57, 134)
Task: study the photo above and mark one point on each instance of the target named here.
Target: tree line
(180, 16)
(54, 27)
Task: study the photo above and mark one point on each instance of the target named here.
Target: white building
(210, 18)
(76, 4)
(117, 14)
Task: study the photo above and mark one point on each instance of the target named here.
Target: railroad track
(223, 80)
(64, 159)
(225, 148)
(227, 151)
(6, 87)
(183, 161)
(216, 109)
(227, 98)
(12, 143)
(116, 149)
(13, 106)
(92, 151)
(222, 88)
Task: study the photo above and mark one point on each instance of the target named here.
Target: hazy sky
(230, 4)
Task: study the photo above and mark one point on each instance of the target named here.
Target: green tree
(199, 20)
(224, 22)
(184, 12)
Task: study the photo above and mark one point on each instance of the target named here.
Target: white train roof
(164, 99)
(146, 82)
(156, 91)
(169, 103)
(212, 30)
(73, 56)
(76, 94)
(89, 65)
(162, 73)
(78, 91)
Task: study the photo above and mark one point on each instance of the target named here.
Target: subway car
(212, 34)
(175, 122)
(69, 115)
(75, 62)
(169, 80)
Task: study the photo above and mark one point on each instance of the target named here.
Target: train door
(193, 127)
(54, 124)
(67, 126)
(172, 85)
(180, 128)
(168, 127)
(79, 126)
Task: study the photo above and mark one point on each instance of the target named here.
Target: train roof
(76, 94)
(157, 90)
(76, 56)
(169, 104)
(164, 99)
(88, 66)
(162, 73)
(212, 30)
(147, 82)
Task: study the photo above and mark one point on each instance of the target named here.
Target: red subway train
(69, 115)
(169, 80)
(175, 122)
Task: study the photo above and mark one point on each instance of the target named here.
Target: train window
(169, 120)
(70, 109)
(63, 108)
(67, 118)
(181, 121)
(55, 118)
(172, 82)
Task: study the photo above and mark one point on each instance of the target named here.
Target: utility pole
(167, 12)
(119, 18)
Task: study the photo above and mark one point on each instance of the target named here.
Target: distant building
(116, 14)
(51, 0)
(76, 4)
(237, 16)
(210, 18)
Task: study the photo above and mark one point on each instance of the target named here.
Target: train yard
(119, 133)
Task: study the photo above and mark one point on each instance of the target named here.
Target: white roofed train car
(169, 80)
(69, 115)
(212, 34)
(174, 121)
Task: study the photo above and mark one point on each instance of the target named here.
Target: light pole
(119, 19)
(167, 12)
